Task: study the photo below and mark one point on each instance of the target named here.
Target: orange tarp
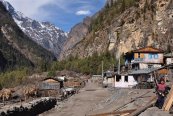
(163, 71)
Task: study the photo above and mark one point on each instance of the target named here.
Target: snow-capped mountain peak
(44, 33)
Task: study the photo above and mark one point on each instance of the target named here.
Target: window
(156, 56)
(138, 55)
(118, 78)
(150, 66)
(150, 56)
(153, 56)
(126, 79)
(142, 55)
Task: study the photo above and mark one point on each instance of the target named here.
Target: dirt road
(82, 103)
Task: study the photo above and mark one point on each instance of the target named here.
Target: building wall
(148, 57)
(144, 78)
(169, 60)
(125, 84)
(95, 77)
(109, 81)
(144, 65)
(49, 86)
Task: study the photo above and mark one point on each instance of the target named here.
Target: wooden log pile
(5, 94)
(169, 101)
(117, 113)
(33, 108)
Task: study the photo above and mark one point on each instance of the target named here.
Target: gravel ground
(93, 99)
(82, 103)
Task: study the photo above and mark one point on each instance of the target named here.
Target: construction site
(93, 100)
(80, 95)
(141, 87)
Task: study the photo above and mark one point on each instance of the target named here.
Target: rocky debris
(29, 109)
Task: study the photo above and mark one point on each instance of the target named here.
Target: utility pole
(102, 68)
(170, 43)
(119, 65)
(119, 61)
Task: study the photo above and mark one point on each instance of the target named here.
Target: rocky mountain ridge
(16, 49)
(126, 25)
(76, 35)
(45, 34)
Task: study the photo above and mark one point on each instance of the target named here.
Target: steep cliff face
(77, 33)
(125, 25)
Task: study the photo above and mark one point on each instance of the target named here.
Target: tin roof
(143, 71)
(169, 55)
(148, 49)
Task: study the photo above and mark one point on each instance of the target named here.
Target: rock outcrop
(77, 33)
(137, 23)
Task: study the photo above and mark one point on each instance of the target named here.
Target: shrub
(90, 65)
(51, 74)
(13, 78)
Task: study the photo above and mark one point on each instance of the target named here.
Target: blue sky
(63, 13)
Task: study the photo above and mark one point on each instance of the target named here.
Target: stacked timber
(169, 101)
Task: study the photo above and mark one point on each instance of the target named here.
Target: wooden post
(119, 108)
(169, 100)
(141, 109)
(102, 69)
(125, 112)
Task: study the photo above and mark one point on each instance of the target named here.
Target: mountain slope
(43, 33)
(16, 49)
(125, 25)
(76, 35)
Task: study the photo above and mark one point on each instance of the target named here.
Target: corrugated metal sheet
(49, 86)
(143, 71)
(168, 55)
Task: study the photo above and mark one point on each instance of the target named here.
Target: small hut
(50, 86)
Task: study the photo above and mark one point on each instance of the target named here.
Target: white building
(125, 81)
(168, 58)
(134, 77)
